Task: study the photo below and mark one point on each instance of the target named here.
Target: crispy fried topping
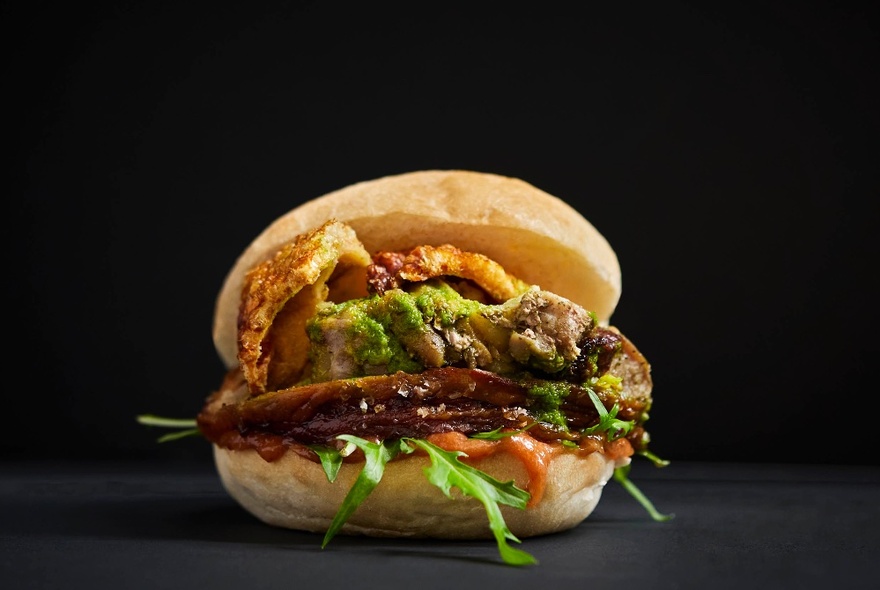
(427, 262)
(283, 292)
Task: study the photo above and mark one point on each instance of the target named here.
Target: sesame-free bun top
(535, 236)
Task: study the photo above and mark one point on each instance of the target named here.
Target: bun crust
(293, 492)
(532, 234)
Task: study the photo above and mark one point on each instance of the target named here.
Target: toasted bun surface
(293, 492)
(532, 234)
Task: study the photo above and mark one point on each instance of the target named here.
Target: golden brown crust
(425, 262)
(535, 236)
(298, 272)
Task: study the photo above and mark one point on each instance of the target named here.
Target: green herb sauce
(548, 397)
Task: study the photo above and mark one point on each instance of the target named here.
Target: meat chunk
(434, 326)
(545, 329)
(403, 404)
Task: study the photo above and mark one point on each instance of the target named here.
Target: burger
(426, 355)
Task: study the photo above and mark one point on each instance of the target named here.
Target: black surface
(727, 151)
(152, 526)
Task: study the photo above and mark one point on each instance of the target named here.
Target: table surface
(136, 525)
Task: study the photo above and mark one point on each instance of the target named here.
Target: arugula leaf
(377, 456)
(615, 429)
(657, 461)
(189, 425)
(621, 476)
(176, 435)
(447, 470)
(153, 420)
(608, 422)
(499, 433)
(331, 460)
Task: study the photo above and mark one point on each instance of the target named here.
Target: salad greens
(446, 471)
(331, 459)
(614, 429)
(189, 426)
(377, 456)
(608, 422)
(621, 476)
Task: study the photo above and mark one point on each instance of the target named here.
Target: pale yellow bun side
(532, 234)
(293, 492)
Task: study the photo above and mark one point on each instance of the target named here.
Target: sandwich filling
(348, 357)
(431, 341)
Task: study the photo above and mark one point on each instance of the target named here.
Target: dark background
(728, 154)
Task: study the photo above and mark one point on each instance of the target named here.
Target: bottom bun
(293, 492)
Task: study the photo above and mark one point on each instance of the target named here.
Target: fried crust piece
(426, 262)
(282, 293)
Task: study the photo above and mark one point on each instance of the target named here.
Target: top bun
(535, 236)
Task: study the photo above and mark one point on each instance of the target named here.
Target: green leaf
(608, 423)
(151, 420)
(500, 433)
(447, 471)
(377, 456)
(621, 476)
(176, 435)
(190, 426)
(331, 460)
(657, 461)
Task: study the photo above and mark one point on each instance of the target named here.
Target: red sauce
(534, 454)
(270, 447)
